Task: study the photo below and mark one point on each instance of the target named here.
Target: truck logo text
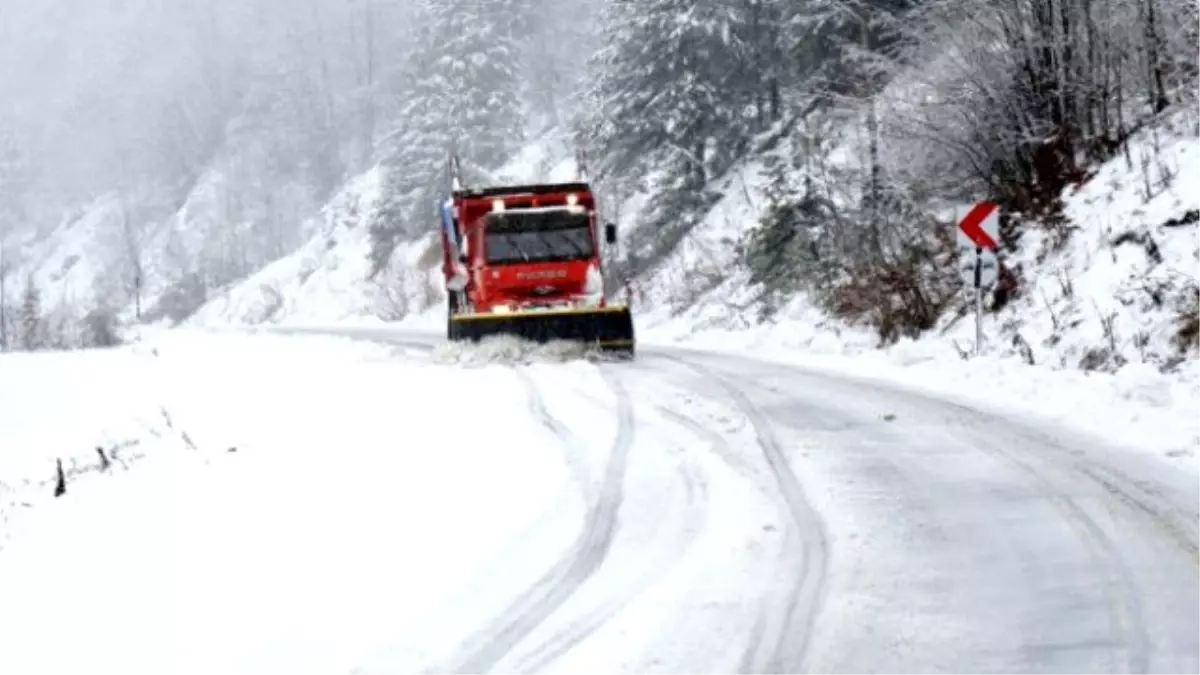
(545, 274)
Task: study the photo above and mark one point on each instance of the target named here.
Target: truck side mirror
(610, 233)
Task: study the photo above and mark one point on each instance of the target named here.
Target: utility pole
(978, 301)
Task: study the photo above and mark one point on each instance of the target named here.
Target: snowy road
(964, 542)
(907, 534)
(687, 512)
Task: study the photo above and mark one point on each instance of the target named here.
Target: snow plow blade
(608, 329)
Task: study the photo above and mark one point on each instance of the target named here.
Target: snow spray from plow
(511, 350)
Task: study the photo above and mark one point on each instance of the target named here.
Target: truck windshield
(537, 236)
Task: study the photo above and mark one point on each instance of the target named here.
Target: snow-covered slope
(75, 267)
(1116, 299)
(162, 251)
(1114, 292)
(328, 279)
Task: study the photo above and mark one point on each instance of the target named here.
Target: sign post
(979, 230)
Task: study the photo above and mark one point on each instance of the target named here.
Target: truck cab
(526, 261)
(527, 247)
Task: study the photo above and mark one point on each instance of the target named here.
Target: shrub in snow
(401, 290)
(101, 328)
(1187, 335)
(182, 299)
(30, 327)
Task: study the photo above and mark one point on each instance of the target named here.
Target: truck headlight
(594, 283)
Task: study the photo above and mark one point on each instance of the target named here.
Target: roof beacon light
(572, 199)
(497, 206)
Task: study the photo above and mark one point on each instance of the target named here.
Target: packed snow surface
(314, 504)
(362, 499)
(315, 496)
(343, 491)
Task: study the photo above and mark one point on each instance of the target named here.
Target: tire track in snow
(1131, 639)
(719, 445)
(1123, 494)
(1121, 591)
(573, 450)
(779, 640)
(1127, 619)
(486, 647)
(696, 506)
(1177, 524)
(1131, 643)
(583, 627)
(1136, 497)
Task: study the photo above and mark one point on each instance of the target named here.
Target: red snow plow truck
(525, 261)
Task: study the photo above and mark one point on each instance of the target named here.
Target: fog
(184, 144)
(99, 95)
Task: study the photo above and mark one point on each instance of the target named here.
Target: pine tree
(765, 29)
(671, 84)
(556, 44)
(461, 96)
(32, 324)
(476, 71)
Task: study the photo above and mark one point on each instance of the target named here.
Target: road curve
(964, 542)
(924, 535)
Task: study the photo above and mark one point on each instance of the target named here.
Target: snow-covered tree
(1025, 92)
(32, 323)
(556, 44)
(461, 95)
(663, 82)
(474, 76)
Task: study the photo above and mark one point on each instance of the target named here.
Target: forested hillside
(159, 152)
(843, 129)
(865, 120)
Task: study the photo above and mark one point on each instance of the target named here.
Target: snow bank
(1108, 300)
(353, 506)
(73, 407)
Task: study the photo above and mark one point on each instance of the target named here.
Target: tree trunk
(1154, 59)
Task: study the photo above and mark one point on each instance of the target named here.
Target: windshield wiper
(577, 249)
(512, 241)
